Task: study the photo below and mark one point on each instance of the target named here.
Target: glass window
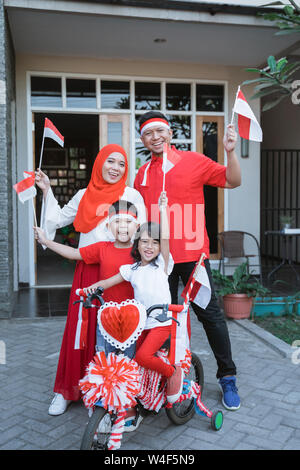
(114, 133)
(142, 155)
(181, 126)
(210, 97)
(81, 93)
(147, 95)
(178, 96)
(210, 140)
(115, 95)
(183, 147)
(137, 126)
(46, 91)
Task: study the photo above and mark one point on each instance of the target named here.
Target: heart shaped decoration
(121, 324)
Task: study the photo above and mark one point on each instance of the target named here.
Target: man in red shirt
(188, 236)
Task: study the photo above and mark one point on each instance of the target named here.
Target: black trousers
(212, 318)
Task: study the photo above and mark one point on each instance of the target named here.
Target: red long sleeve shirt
(184, 186)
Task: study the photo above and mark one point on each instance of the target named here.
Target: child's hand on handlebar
(39, 235)
(91, 289)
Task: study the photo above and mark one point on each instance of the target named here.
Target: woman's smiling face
(113, 168)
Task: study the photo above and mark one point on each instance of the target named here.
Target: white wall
(241, 205)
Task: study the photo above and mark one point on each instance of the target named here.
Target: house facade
(93, 68)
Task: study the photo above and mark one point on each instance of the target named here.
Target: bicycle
(107, 423)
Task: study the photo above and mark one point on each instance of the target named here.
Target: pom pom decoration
(113, 379)
(121, 324)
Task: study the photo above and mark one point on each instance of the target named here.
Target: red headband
(154, 122)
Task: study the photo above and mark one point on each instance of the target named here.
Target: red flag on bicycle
(198, 289)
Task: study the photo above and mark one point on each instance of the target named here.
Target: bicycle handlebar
(80, 293)
(88, 297)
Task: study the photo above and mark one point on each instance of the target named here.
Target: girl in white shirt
(149, 279)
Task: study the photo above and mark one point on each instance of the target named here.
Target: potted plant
(286, 221)
(238, 291)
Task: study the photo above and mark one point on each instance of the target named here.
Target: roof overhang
(128, 29)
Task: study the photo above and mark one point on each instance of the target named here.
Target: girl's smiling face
(148, 248)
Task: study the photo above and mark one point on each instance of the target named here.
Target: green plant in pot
(238, 291)
(286, 221)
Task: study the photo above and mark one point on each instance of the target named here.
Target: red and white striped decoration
(117, 430)
(195, 392)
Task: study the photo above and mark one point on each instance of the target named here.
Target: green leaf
(281, 63)
(261, 94)
(290, 69)
(282, 32)
(253, 70)
(272, 104)
(288, 10)
(272, 63)
(260, 79)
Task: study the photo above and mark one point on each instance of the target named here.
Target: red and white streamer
(117, 430)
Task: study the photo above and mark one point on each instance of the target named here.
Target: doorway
(69, 169)
(210, 132)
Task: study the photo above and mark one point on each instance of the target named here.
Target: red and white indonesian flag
(198, 288)
(170, 158)
(248, 125)
(51, 132)
(25, 188)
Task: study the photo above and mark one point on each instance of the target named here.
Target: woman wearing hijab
(88, 211)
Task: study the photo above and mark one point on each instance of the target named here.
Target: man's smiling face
(155, 137)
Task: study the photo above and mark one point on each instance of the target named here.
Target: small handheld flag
(51, 132)
(198, 288)
(170, 159)
(26, 190)
(248, 125)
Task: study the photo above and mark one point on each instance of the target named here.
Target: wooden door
(210, 133)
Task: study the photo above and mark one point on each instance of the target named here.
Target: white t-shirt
(53, 216)
(150, 285)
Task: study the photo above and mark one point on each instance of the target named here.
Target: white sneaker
(129, 423)
(58, 405)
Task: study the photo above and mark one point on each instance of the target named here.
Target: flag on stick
(25, 188)
(51, 132)
(198, 289)
(170, 159)
(248, 125)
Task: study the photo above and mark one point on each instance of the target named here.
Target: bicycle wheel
(97, 431)
(182, 412)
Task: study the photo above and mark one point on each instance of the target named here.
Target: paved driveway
(269, 417)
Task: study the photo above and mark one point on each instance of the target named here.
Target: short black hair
(151, 115)
(122, 205)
